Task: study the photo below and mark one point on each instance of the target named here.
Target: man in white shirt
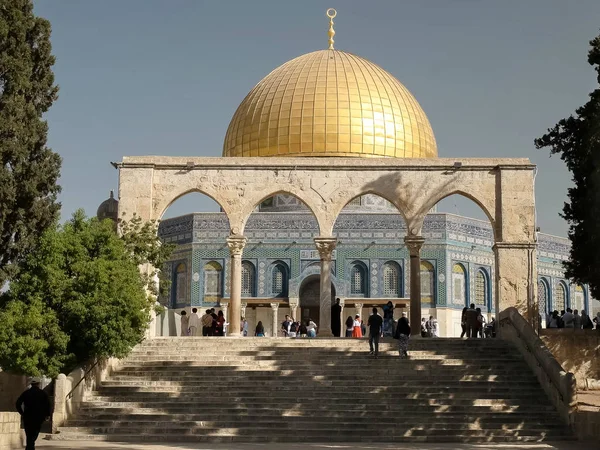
(194, 322)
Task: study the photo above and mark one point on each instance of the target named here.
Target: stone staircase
(318, 390)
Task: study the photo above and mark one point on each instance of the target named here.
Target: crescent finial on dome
(331, 13)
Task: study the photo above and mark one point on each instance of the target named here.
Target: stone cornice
(325, 164)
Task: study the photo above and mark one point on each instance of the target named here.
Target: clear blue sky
(164, 77)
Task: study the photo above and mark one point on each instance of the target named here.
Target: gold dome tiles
(330, 103)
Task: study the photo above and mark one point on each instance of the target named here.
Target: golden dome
(330, 103)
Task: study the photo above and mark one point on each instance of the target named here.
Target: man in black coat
(34, 407)
(336, 323)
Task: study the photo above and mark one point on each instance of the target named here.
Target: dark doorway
(310, 299)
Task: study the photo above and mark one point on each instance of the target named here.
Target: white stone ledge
(325, 163)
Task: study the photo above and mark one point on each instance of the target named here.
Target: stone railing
(559, 385)
(70, 390)
(10, 430)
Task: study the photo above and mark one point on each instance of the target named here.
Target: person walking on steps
(34, 407)
(375, 324)
(403, 335)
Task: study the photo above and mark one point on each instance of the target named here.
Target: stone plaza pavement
(79, 445)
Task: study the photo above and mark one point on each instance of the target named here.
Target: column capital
(293, 302)
(342, 301)
(236, 244)
(359, 306)
(325, 246)
(414, 244)
(274, 306)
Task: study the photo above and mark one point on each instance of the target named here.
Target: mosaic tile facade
(371, 239)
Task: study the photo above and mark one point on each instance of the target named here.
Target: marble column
(358, 307)
(325, 246)
(243, 307)
(414, 244)
(275, 309)
(342, 319)
(236, 245)
(293, 307)
(225, 309)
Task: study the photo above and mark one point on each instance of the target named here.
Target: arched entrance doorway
(310, 299)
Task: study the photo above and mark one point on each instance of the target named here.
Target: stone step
(304, 414)
(359, 373)
(331, 381)
(327, 393)
(483, 408)
(317, 351)
(396, 363)
(412, 386)
(66, 435)
(307, 433)
(450, 398)
(298, 422)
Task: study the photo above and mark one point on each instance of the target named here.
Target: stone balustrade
(559, 385)
(10, 430)
(70, 390)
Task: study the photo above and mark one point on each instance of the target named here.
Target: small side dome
(109, 208)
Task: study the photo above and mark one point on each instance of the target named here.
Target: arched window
(279, 280)
(180, 283)
(391, 279)
(543, 306)
(213, 280)
(579, 298)
(427, 283)
(248, 277)
(481, 289)
(459, 284)
(358, 279)
(560, 297)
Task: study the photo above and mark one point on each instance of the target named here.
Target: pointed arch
(438, 197)
(248, 210)
(161, 209)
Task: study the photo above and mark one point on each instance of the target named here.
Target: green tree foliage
(28, 169)
(140, 239)
(577, 140)
(79, 296)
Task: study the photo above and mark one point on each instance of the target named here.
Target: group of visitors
(293, 328)
(474, 325)
(376, 325)
(572, 319)
(212, 323)
(430, 328)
